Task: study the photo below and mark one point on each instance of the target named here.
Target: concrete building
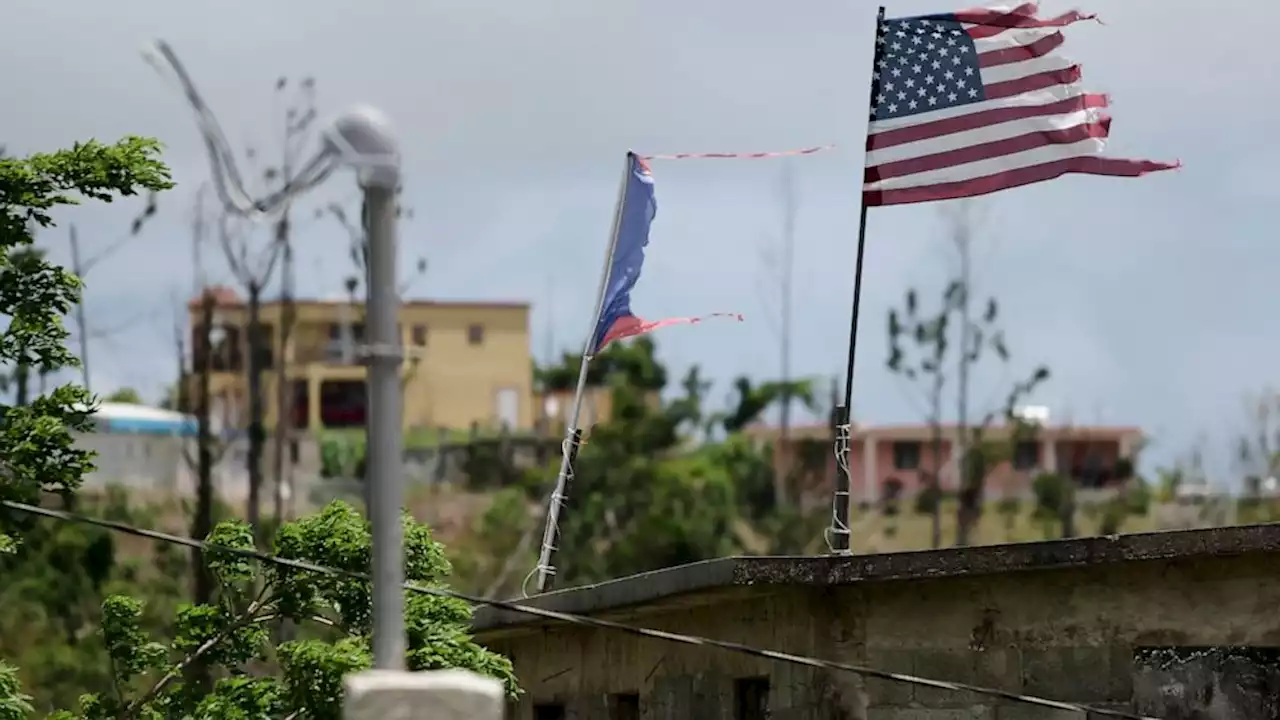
(880, 453)
(149, 450)
(467, 363)
(1173, 625)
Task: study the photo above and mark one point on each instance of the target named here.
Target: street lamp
(362, 139)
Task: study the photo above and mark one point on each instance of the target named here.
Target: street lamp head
(362, 137)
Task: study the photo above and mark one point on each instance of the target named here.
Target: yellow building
(467, 363)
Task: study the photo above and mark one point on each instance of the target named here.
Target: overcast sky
(1150, 299)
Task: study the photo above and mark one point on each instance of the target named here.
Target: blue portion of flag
(926, 63)
(637, 210)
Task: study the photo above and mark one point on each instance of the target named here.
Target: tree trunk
(1069, 509)
(935, 486)
(202, 522)
(284, 389)
(973, 472)
(22, 378)
(257, 435)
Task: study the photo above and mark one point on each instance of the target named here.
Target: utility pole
(284, 389)
(785, 286)
(780, 261)
(82, 324)
(297, 123)
(202, 370)
(81, 268)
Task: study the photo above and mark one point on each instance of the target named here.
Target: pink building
(879, 453)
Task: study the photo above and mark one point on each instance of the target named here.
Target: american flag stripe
(1081, 164)
(991, 21)
(1016, 47)
(986, 144)
(978, 101)
(1031, 105)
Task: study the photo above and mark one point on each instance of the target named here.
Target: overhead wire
(581, 620)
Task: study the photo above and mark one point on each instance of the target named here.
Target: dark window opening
(1026, 455)
(357, 330)
(751, 698)
(420, 335)
(475, 334)
(265, 345)
(1089, 470)
(548, 711)
(337, 348)
(624, 706)
(343, 403)
(906, 456)
(1223, 681)
(300, 409)
(226, 349)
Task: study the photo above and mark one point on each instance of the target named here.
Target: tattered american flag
(977, 101)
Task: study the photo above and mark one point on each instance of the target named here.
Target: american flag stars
(923, 64)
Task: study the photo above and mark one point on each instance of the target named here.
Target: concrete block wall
(1075, 635)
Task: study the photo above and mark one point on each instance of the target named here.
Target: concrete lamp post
(362, 139)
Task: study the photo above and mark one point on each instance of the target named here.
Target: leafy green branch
(231, 636)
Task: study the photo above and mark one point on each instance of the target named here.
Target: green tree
(918, 345)
(53, 591)
(752, 400)
(124, 395)
(655, 486)
(634, 360)
(1258, 448)
(35, 295)
(169, 400)
(1055, 496)
(149, 675)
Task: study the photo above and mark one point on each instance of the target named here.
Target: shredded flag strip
(978, 101)
(638, 206)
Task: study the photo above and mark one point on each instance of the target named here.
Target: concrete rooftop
(663, 587)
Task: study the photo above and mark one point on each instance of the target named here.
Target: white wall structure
(144, 448)
(442, 695)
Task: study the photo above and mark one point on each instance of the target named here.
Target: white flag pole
(573, 434)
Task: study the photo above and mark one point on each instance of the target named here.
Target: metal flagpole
(838, 536)
(573, 434)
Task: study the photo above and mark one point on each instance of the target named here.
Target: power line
(579, 620)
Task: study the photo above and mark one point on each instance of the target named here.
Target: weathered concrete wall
(1100, 635)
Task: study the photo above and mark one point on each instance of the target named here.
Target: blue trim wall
(139, 426)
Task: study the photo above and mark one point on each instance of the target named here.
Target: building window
(1026, 455)
(906, 456)
(475, 334)
(420, 335)
(624, 706)
(548, 711)
(751, 698)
